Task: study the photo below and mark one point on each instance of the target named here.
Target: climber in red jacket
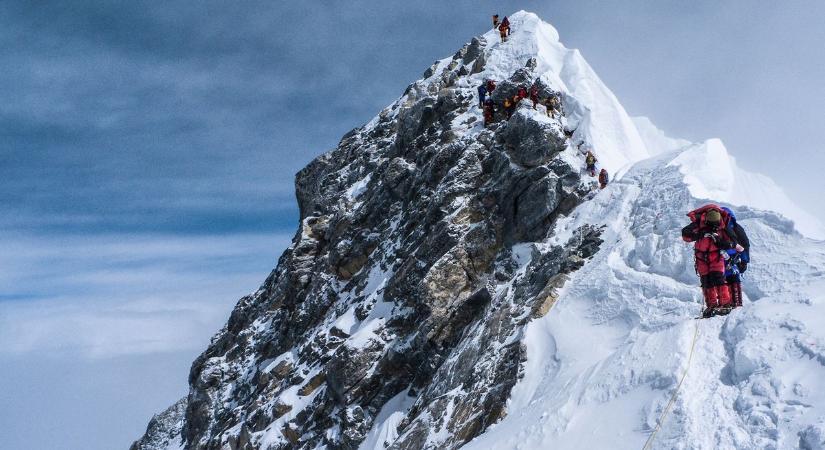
(603, 179)
(707, 231)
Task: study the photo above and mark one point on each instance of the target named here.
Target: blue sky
(147, 154)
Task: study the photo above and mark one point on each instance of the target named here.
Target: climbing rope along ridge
(666, 411)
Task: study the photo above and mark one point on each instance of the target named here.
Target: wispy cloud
(101, 296)
(97, 331)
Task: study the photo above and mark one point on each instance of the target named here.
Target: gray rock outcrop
(412, 274)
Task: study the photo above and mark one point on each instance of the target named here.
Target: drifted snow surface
(602, 365)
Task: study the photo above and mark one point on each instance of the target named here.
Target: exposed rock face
(412, 274)
(164, 429)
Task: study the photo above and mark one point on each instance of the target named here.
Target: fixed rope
(675, 393)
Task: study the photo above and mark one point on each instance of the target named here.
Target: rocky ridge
(395, 317)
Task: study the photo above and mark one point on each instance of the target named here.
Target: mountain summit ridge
(453, 284)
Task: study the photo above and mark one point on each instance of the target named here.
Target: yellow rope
(675, 393)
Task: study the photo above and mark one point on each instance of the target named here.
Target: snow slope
(603, 364)
(711, 173)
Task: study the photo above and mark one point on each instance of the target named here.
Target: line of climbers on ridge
(503, 26)
(552, 104)
(590, 165)
(721, 246)
(721, 253)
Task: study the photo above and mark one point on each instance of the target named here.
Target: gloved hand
(742, 266)
(739, 248)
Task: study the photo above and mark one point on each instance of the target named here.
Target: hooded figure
(707, 230)
(482, 93)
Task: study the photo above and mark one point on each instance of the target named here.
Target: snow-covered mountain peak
(457, 283)
(712, 174)
(592, 110)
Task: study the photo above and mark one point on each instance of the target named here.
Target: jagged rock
(311, 385)
(529, 142)
(164, 429)
(548, 296)
(280, 409)
(474, 50)
(401, 278)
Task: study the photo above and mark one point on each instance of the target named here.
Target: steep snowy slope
(711, 173)
(449, 279)
(604, 363)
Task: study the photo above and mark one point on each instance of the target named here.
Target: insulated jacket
(709, 242)
(491, 86)
(736, 232)
(603, 177)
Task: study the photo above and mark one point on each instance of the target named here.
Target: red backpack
(698, 215)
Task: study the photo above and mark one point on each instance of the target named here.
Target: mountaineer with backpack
(552, 103)
(737, 261)
(534, 95)
(603, 179)
(503, 29)
(482, 93)
(495, 21)
(590, 162)
(707, 230)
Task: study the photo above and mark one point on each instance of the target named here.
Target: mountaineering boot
(722, 311)
(711, 301)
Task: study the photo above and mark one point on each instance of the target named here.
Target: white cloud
(97, 332)
(118, 295)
